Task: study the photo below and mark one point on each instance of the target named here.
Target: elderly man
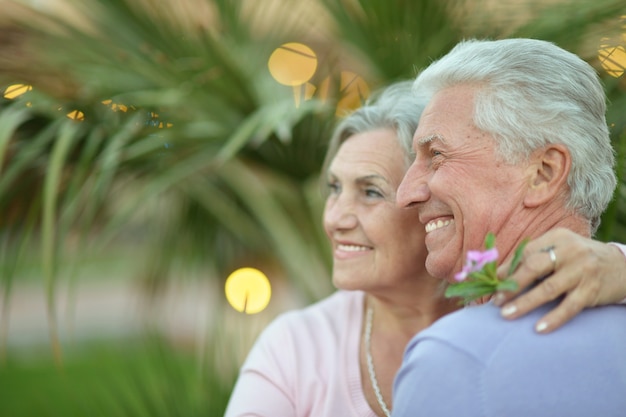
(513, 141)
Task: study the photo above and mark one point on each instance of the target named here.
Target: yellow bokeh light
(322, 91)
(613, 60)
(76, 115)
(292, 64)
(115, 106)
(16, 90)
(303, 92)
(353, 92)
(248, 290)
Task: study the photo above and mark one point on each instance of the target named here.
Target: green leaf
(490, 240)
(507, 285)
(491, 269)
(482, 276)
(517, 257)
(469, 289)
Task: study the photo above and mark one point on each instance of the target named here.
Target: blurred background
(150, 149)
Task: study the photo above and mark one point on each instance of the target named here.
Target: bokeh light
(353, 92)
(613, 59)
(303, 92)
(612, 52)
(76, 115)
(16, 90)
(292, 64)
(248, 290)
(115, 106)
(155, 121)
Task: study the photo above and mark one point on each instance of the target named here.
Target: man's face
(462, 190)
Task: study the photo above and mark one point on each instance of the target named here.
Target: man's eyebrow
(430, 138)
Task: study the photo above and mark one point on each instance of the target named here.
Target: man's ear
(548, 175)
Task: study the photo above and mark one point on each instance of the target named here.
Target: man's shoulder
(480, 331)
(498, 367)
(471, 330)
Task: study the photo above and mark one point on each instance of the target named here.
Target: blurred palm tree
(158, 124)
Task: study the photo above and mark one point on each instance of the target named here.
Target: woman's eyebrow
(372, 177)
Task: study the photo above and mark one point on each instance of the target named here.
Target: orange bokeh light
(292, 64)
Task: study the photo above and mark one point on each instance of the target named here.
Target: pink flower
(475, 261)
(479, 277)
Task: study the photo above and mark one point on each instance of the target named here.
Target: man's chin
(438, 269)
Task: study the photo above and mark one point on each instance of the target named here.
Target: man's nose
(414, 187)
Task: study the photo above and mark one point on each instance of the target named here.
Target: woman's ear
(548, 176)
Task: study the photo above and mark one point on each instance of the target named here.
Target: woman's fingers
(536, 265)
(575, 299)
(582, 271)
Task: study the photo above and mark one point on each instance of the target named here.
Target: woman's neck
(401, 319)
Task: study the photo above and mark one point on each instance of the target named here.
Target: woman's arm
(587, 272)
(263, 388)
(257, 394)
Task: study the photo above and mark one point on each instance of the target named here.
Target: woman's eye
(372, 192)
(333, 187)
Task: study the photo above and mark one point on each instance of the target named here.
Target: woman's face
(375, 244)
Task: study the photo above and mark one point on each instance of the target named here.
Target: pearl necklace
(370, 363)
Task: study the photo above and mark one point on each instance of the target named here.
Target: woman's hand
(589, 273)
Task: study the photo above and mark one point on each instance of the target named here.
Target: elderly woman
(339, 356)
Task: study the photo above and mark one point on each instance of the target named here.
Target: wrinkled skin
(589, 273)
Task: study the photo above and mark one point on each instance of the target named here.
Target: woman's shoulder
(313, 330)
(311, 355)
(339, 307)
(345, 301)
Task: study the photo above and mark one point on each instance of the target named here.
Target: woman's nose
(339, 214)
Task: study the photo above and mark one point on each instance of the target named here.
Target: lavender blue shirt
(474, 363)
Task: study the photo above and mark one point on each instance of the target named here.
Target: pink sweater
(306, 363)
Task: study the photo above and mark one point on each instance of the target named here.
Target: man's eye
(436, 159)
